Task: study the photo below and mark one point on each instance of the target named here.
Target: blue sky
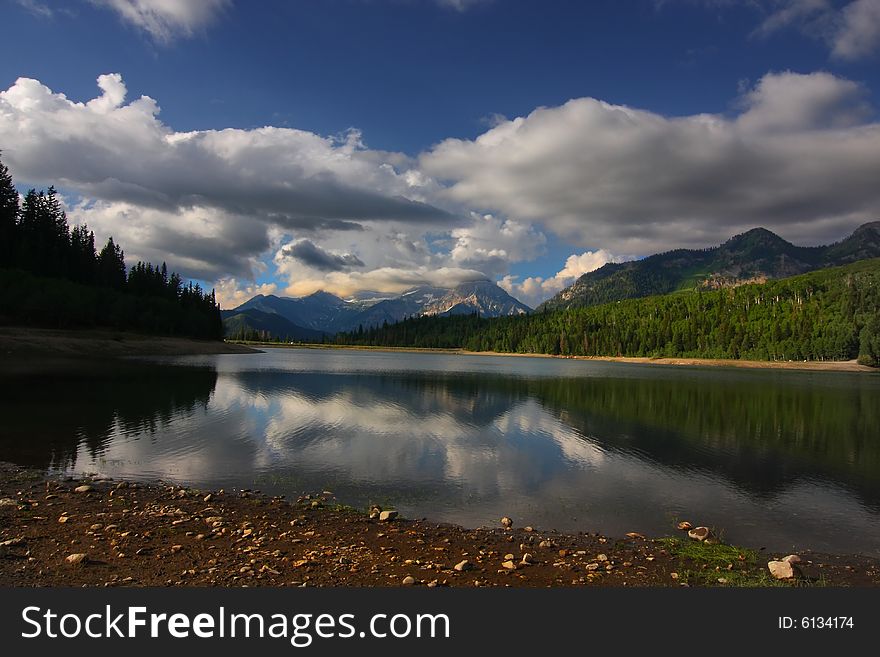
(381, 144)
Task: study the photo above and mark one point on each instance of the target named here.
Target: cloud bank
(802, 157)
(209, 202)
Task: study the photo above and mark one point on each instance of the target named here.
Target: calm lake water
(782, 459)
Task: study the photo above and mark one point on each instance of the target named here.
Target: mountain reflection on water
(779, 459)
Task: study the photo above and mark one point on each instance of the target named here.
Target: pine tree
(111, 266)
(8, 217)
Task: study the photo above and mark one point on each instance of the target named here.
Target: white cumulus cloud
(532, 290)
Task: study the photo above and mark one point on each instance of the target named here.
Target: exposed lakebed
(783, 459)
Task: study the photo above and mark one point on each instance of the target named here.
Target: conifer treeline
(829, 314)
(51, 275)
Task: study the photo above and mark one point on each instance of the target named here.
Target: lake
(779, 459)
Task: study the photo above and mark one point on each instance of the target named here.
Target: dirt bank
(156, 535)
(32, 349)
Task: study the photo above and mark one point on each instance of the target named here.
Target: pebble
(83, 489)
(64, 519)
(527, 559)
(509, 565)
(385, 516)
(409, 580)
(78, 557)
(8, 501)
(602, 557)
(506, 522)
(463, 565)
(176, 548)
(792, 558)
(509, 557)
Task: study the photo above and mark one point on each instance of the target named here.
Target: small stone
(781, 569)
(563, 553)
(208, 498)
(509, 557)
(528, 529)
(527, 559)
(83, 489)
(592, 566)
(509, 565)
(96, 526)
(634, 535)
(506, 522)
(409, 580)
(792, 558)
(64, 519)
(700, 533)
(463, 565)
(685, 526)
(602, 557)
(385, 516)
(8, 501)
(76, 558)
(176, 548)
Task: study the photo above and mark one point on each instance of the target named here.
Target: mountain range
(322, 313)
(754, 256)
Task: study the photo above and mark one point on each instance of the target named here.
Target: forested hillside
(53, 276)
(830, 314)
(754, 256)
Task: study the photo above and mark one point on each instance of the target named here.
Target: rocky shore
(99, 532)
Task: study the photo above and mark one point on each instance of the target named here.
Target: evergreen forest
(53, 276)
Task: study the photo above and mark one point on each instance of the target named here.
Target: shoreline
(815, 366)
(100, 532)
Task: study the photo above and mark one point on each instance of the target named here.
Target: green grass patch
(704, 564)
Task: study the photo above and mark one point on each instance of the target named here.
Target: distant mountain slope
(323, 312)
(239, 323)
(754, 256)
(827, 314)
